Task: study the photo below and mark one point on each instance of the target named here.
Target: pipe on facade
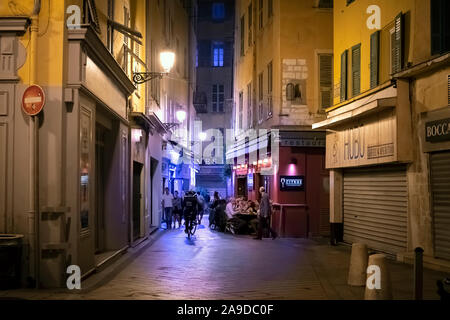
(33, 212)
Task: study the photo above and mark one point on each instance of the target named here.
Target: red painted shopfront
(299, 211)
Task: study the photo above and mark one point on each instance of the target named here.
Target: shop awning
(385, 99)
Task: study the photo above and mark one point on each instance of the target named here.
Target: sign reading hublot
(292, 183)
(437, 131)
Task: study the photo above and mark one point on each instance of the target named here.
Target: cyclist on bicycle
(190, 204)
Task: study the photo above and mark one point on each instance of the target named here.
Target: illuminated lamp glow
(167, 60)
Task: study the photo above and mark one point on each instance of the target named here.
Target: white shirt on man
(167, 198)
(229, 210)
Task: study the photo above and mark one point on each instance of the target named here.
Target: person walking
(201, 206)
(264, 216)
(167, 199)
(177, 210)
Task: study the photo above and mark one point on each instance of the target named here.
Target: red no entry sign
(33, 100)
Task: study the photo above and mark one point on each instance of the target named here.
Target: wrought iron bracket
(142, 77)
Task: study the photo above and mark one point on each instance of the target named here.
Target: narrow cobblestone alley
(215, 265)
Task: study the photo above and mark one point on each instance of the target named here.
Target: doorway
(153, 167)
(242, 187)
(137, 199)
(100, 181)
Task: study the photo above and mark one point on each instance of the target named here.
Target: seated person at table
(220, 217)
(234, 223)
(229, 210)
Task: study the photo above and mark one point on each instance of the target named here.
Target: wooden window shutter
(344, 75)
(397, 50)
(374, 59)
(356, 70)
(325, 81)
(435, 27)
(440, 26)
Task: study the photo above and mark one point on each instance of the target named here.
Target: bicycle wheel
(192, 228)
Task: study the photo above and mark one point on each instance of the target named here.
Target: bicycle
(191, 225)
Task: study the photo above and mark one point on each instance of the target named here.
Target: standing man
(167, 199)
(264, 215)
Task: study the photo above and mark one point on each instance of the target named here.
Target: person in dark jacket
(264, 215)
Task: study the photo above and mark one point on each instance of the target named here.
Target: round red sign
(33, 100)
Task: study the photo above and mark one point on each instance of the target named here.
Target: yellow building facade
(277, 43)
(82, 180)
(390, 84)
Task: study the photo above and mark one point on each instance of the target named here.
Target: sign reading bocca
(367, 141)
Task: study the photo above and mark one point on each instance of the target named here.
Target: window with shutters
(325, 80)
(218, 51)
(344, 56)
(218, 97)
(440, 26)
(250, 24)
(242, 36)
(374, 59)
(397, 45)
(241, 109)
(249, 106)
(269, 89)
(356, 70)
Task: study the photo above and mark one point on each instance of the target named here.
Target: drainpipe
(33, 171)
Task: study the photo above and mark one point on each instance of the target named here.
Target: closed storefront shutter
(440, 188)
(375, 208)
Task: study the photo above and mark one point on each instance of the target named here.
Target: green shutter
(374, 59)
(397, 54)
(356, 70)
(344, 75)
(326, 81)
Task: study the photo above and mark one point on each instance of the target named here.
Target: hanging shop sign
(437, 131)
(33, 100)
(292, 183)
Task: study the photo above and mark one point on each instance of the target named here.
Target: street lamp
(181, 115)
(202, 136)
(167, 60)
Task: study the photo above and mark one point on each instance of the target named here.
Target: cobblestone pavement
(223, 266)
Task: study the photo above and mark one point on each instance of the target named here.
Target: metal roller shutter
(375, 208)
(440, 188)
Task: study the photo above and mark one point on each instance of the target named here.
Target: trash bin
(10, 260)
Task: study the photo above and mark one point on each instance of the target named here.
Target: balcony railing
(200, 102)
